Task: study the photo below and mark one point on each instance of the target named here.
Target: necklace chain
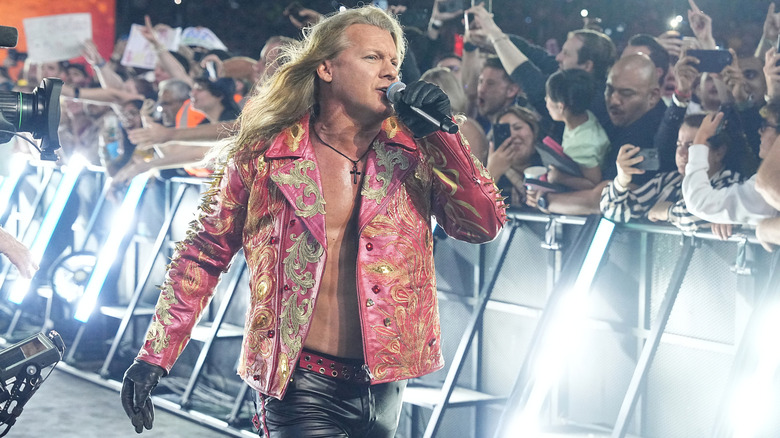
(354, 172)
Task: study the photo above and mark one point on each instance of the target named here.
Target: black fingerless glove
(426, 96)
(139, 381)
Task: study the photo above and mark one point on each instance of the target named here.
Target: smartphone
(501, 131)
(651, 162)
(711, 61)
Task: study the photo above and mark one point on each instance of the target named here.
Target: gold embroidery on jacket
(293, 140)
(156, 335)
(292, 318)
(390, 126)
(389, 160)
(298, 176)
(284, 368)
(301, 254)
(410, 313)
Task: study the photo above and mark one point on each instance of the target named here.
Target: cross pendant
(354, 172)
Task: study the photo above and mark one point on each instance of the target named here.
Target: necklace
(354, 172)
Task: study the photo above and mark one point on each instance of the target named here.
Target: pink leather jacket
(271, 204)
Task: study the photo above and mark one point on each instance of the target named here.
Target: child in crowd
(569, 94)
(661, 199)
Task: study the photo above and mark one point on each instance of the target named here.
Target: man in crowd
(633, 99)
(495, 91)
(343, 310)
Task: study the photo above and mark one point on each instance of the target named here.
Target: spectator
(471, 130)
(507, 161)
(635, 113)
(529, 65)
(495, 91)
(569, 94)
(736, 204)
(661, 198)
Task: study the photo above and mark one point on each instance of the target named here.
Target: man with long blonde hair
(331, 196)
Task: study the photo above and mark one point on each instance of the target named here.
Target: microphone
(8, 37)
(444, 122)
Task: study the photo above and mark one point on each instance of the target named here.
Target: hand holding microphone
(422, 107)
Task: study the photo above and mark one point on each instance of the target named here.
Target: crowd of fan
(592, 116)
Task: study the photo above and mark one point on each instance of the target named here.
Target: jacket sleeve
(198, 261)
(465, 201)
(734, 204)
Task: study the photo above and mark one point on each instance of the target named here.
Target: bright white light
(594, 255)
(17, 167)
(751, 404)
(119, 228)
(342, 8)
(178, 2)
(50, 219)
(674, 22)
(584, 13)
(563, 333)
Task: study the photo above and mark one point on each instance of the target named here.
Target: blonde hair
(451, 86)
(291, 92)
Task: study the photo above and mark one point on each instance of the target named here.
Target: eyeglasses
(765, 124)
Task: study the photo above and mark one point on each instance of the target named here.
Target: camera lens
(37, 113)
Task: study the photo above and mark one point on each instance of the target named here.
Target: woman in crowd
(508, 160)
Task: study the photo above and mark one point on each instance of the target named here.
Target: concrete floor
(69, 406)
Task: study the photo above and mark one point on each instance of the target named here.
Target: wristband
(435, 24)
(76, 92)
(468, 47)
(101, 64)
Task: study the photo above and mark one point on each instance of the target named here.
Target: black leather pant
(321, 406)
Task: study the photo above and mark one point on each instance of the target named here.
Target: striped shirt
(625, 205)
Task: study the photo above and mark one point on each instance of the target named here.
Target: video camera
(20, 372)
(37, 113)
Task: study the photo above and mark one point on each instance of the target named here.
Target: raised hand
(701, 24)
(626, 159)
(772, 72)
(734, 79)
(708, 127)
(771, 24)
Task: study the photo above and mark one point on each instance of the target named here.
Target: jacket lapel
(394, 156)
(299, 178)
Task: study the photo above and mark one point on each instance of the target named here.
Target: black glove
(426, 96)
(140, 379)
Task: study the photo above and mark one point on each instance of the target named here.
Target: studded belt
(332, 368)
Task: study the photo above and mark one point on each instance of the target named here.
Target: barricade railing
(549, 239)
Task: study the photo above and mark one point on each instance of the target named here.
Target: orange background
(12, 12)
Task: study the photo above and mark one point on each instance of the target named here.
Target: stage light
(753, 400)
(17, 167)
(119, 228)
(44, 235)
(563, 334)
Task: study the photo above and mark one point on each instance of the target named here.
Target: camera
(37, 113)
(20, 372)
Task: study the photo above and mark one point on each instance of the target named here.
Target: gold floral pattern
(157, 336)
(292, 318)
(301, 254)
(297, 177)
(389, 159)
(294, 136)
